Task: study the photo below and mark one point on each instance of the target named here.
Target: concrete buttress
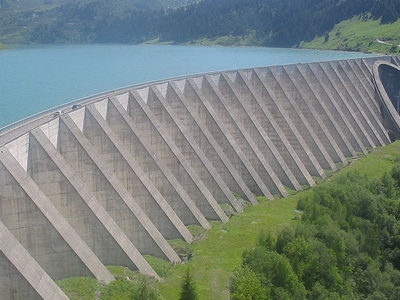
(115, 180)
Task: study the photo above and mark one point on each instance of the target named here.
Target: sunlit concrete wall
(117, 178)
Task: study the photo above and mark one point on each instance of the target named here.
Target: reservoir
(36, 78)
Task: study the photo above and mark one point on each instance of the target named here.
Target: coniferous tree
(188, 288)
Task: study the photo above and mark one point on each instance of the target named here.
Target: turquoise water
(36, 78)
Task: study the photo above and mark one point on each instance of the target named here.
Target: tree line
(283, 23)
(346, 246)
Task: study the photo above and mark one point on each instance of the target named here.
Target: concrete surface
(117, 178)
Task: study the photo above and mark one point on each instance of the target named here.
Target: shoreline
(213, 43)
(190, 44)
(197, 43)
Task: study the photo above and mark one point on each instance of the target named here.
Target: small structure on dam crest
(117, 177)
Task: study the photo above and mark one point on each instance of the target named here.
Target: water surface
(36, 78)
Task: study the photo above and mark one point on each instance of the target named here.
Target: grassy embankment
(357, 34)
(2, 46)
(219, 250)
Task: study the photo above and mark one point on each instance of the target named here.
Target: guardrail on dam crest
(116, 178)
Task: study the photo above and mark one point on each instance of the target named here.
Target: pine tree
(188, 288)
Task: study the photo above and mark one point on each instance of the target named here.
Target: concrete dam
(119, 176)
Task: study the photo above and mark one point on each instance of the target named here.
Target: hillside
(273, 23)
(359, 35)
(81, 21)
(18, 5)
(276, 23)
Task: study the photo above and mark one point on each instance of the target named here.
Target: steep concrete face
(117, 178)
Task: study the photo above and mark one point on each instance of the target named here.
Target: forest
(279, 23)
(345, 246)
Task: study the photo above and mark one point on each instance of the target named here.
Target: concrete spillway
(117, 178)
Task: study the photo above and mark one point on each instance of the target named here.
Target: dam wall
(117, 178)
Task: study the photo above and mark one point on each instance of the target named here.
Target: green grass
(218, 251)
(247, 40)
(123, 273)
(119, 290)
(377, 162)
(85, 288)
(159, 265)
(358, 34)
(79, 288)
(2, 46)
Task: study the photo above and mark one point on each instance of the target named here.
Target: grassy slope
(219, 251)
(359, 35)
(217, 255)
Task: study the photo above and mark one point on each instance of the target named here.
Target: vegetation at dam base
(342, 242)
(347, 246)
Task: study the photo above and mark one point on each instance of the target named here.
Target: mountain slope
(283, 23)
(121, 21)
(18, 5)
(358, 34)
(277, 23)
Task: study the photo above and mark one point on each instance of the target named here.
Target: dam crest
(117, 177)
